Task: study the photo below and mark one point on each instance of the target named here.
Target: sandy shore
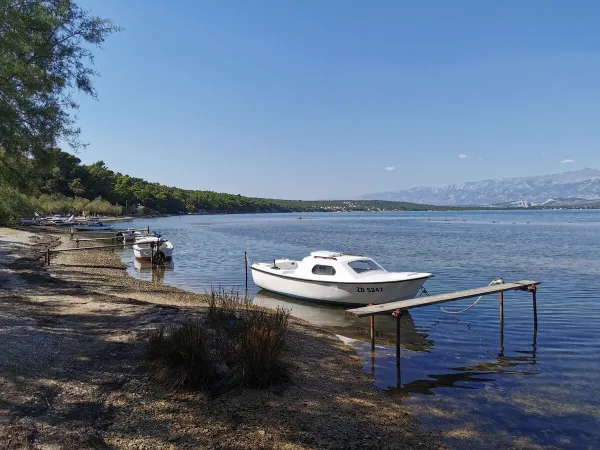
(72, 371)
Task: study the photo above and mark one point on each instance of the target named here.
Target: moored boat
(335, 277)
(92, 225)
(131, 234)
(142, 249)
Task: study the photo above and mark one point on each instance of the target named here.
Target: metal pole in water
(148, 229)
(534, 291)
(501, 336)
(47, 256)
(246, 266)
(372, 332)
(398, 315)
(501, 307)
(152, 254)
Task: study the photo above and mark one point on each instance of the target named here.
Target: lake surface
(479, 384)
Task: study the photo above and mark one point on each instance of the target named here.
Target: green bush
(239, 345)
(179, 356)
(14, 205)
(260, 346)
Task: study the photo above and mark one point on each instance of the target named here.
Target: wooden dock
(418, 302)
(396, 308)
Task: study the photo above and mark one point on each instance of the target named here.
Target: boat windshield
(365, 265)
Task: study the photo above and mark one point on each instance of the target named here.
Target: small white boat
(337, 278)
(131, 234)
(92, 225)
(142, 249)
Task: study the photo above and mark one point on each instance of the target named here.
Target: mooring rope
(493, 282)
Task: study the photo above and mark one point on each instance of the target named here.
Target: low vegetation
(237, 344)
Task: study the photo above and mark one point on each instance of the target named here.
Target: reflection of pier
(400, 308)
(520, 364)
(335, 319)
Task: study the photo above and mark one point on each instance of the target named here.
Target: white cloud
(389, 168)
(567, 161)
(463, 156)
(544, 154)
(481, 157)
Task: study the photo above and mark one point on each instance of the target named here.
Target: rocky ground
(72, 371)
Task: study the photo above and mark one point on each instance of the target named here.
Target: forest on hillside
(60, 183)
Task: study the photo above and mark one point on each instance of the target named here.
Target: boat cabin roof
(339, 256)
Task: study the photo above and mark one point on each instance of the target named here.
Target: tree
(45, 56)
(77, 187)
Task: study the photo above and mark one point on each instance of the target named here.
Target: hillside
(581, 184)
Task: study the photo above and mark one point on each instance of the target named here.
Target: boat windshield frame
(373, 266)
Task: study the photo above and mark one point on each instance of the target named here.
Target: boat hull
(93, 228)
(144, 252)
(339, 293)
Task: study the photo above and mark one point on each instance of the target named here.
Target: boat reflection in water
(335, 319)
(157, 273)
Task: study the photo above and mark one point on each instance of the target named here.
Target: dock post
(534, 292)
(501, 307)
(246, 266)
(47, 256)
(372, 332)
(152, 254)
(398, 315)
(148, 229)
(501, 354)
(77, 242)
(71, 232)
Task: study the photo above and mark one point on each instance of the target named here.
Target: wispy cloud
(463, 156)
(480, 158)
(567, 161)
(389, 168)
(544, 154)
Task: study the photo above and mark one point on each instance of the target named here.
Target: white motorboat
(92, 225)
(131, 234)
(337, 278)
(142, 249)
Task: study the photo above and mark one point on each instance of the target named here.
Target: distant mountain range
(575, 188)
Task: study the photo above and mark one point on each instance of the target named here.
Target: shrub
(261, 343)
(179, 356)
(243, 347)
(13, 205)
(224, 305)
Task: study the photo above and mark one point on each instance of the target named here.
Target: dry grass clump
(260, 346)
(179, 356)
(238, 345)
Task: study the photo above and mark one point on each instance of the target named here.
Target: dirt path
(72, 373)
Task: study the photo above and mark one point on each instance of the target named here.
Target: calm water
(463, 375)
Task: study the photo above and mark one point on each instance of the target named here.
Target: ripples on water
(458, 373)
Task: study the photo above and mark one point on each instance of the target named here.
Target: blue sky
(316, 98)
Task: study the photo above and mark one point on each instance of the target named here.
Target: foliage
(179, 356)
(45, 56)
(56, 203)
(63, 174)
(239, 345)
(260, 346)
(13, 205)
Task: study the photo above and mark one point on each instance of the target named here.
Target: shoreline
(74, 370)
